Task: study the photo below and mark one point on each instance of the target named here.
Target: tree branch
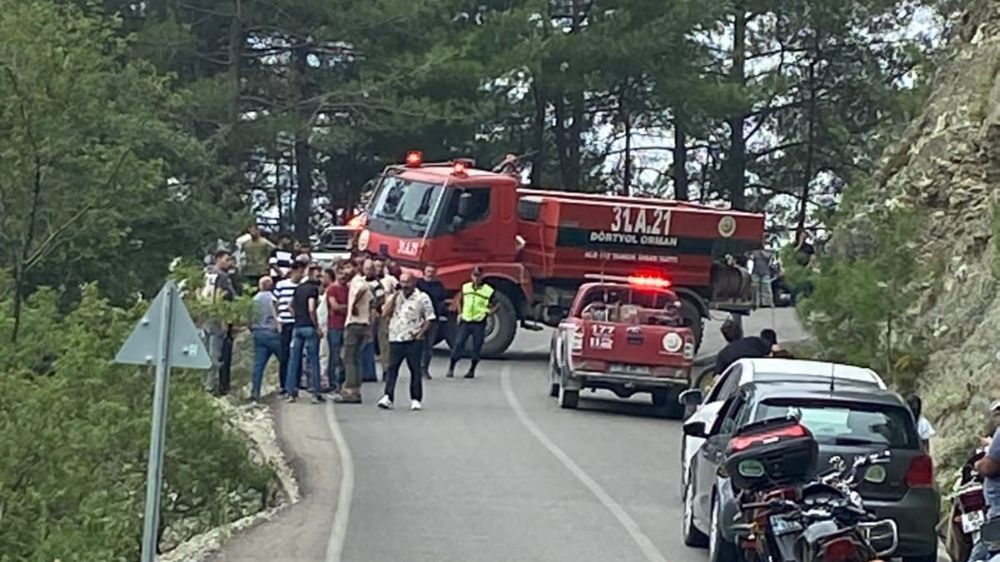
(45, 247)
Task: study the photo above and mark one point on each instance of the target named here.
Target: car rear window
(838, 423)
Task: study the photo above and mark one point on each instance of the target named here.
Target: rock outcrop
(946, 168)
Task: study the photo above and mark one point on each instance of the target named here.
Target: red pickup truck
(627, 336)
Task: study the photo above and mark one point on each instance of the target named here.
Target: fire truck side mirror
(465, 205)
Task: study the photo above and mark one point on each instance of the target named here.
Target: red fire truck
(536, 246)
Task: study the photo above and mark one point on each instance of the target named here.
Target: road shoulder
(301, 531)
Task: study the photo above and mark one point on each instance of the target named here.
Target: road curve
(492, 470)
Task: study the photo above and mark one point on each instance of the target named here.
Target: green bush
(862, 297)
(74, 438)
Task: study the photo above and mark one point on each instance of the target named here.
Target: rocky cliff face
(946, 169)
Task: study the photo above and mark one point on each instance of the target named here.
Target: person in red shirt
(336, 302)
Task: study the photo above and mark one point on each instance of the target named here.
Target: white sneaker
(416, 405)
(384, 403)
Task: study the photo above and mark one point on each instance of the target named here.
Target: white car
(761, 370)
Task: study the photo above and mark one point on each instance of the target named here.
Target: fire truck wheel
(692, 314)
(500, 327)
(568, 398)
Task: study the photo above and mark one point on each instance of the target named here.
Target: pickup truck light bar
(640, 280)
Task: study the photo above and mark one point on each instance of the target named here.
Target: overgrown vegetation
(98, 182)
(862, 297)
(74, 436)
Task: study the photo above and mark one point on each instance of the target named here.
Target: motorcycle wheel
(718, 549)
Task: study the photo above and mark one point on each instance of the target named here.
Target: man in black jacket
(434, 289)
(740, 348)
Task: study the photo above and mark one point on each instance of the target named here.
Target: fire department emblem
(727, 226)
(363, 239)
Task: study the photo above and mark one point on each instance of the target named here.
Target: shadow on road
(510, 355)
(603, 403)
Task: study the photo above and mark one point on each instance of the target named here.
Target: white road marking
(631, 527)
(338, 531)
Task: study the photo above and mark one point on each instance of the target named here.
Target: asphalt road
(491, 470)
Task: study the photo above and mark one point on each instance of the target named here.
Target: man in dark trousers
(283, 292)
(434, 289)
(306, 335)
(740, 348)
(218, 336)
(475, 303)
(409, 313)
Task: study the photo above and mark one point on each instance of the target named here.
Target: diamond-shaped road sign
(186, 349)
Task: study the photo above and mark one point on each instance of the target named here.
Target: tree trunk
(627, 123)
(680, 158)
(18, 300)
(810, 142)
(569, 112)
(736, 163)
(574, 173)
(559, 132)
(304, 189)
(302, 211)
(538, 134)
(234, 159)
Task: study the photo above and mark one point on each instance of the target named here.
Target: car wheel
(692, 536)
(568, 398)
(684, 472)
(718, 549)
(553, 373)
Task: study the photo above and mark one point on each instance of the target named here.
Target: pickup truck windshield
(405, 207)
(847, 423)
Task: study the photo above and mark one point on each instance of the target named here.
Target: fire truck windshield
(403, 206)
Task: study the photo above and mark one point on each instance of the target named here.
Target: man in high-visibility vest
(475, 303)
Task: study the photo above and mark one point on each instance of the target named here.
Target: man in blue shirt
(989, 468)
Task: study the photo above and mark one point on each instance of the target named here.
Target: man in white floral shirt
(410, 313)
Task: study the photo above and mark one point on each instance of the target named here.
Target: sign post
(165, 337)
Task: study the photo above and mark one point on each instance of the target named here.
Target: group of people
(767, 277)
(363, 308)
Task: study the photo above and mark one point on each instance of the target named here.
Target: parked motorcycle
(968, 511)
(793, 518)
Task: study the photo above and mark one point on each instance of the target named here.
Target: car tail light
(921, 473)
(972, 500)
(577, 343)
(840, 550)
(745, 442)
